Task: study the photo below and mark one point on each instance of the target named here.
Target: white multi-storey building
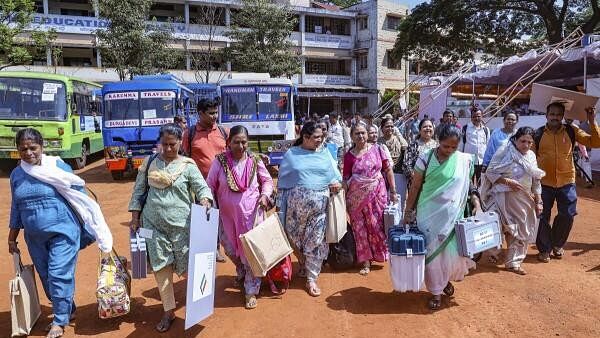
(345, 52)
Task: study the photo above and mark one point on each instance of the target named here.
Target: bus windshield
(37, 99)
(158, 105)
(239, 104)
(121, 106)
(274, 103)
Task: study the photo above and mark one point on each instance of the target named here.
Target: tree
(203, 62)
(132, 45)
(443, 33)
(15, 47)
(345, 3)
(260, 34)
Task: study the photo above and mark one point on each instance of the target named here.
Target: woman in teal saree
(440, 190)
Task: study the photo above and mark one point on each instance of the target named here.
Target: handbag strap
(256, 213)
(18, 265)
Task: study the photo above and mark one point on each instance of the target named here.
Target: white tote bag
(265, 245)
(336, 218)
(24, 299)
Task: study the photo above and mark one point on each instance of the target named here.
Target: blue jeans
(555, 236)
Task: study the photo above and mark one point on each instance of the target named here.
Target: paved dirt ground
(561, 298)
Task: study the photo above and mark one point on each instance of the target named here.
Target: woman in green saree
(440, 189)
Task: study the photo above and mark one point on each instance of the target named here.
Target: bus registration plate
(137, 162)
(14, 155)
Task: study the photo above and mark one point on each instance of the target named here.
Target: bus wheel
(79, 163)
(117, 175)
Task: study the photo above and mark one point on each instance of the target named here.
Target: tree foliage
(443, 33)
(344, 3)
(15, 47)
(260, 34)
(132, 45)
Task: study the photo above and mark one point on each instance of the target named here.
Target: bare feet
(55, 331)
(313, 289)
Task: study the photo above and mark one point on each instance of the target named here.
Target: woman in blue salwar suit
(52, 231)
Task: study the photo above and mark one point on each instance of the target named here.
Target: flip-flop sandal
(558, 254)
(449, 289)
(55, 332)
(165, 324)
(518, 270)
(250, 302)
(435, 303)
(313, 289)
(364, 271)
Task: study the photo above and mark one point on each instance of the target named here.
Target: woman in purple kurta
(241, 185)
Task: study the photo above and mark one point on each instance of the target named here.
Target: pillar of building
(227, 16)
(45, 4)
(188, 57)
(48, 56)
(302, 25)
(98, 58)
(186, 14)
(354, 70)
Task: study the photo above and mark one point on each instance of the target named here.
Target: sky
(412, 3)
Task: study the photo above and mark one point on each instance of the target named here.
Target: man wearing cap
(554, 145)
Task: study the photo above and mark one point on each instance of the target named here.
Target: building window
(74, 12)
(363, 61)
(393, 22)
(39, 7)
(363, 23)
(391, 62)
(314, 25)
(162, 7)
(340, 27)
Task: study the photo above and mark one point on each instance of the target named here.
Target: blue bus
(133, 112)
(201, 91)
(266, 107)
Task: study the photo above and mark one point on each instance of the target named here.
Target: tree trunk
(594, 20)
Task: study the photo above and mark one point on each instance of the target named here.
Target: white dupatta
(89, 211)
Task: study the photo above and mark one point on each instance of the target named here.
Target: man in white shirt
(474, 141)
(339, 135)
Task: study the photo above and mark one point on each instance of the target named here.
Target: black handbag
(144, 196)
(342, 255)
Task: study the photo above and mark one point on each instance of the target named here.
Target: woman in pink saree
(367, 197)
(241, 185)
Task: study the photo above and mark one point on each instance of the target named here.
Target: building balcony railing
(88, 25)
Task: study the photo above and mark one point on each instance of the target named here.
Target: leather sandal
(435, 303)
(518, 270)
(449, 289)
